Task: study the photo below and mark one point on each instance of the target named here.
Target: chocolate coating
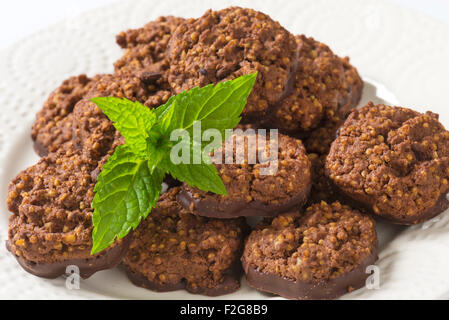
(393, 161)
(321, 290)
(87, 267)
(146, 47)
(173, 249)
(250, 192)
(229, 43)
(93, 132)
(53, 124)
(324, 85)
(321, 254)
(51, 222)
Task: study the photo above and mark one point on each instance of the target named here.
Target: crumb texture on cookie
(322, 86)
(393, 161)
(51, 221)
(229, 43)
(309, 252)
(53, 124)
(173, 249)
(92, 130)
(255, 187)
(146, 47)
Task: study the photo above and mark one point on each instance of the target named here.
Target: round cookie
(321, 254)
(53, 124)
(51, 223)
(92, 130)
(318, 143)
(254, 188)
(392, 161)
(173, 249)
(324, 85)
(229, 43)
(146, 47)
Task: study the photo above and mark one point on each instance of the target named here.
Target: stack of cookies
(334, 172)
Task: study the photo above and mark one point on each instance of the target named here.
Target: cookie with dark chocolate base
(321, 254)
(353, 86)
(146, 48)
(254, 187)
(324, 85)
(51, 222)
(318, 143)
(173, 249)
(53, 124)
(225, 44)
(392, 161)
(93, 132)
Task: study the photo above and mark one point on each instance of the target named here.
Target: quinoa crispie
(393, 161)
(146, 47)
(254, 188)
(354, 88)
(51, 222)
(229, 43)
(318, 143)
(323, 84)
(173, 249)
(320, 254)
(53, 125)
(92, 130)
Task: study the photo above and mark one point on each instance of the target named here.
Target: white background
(19, 18)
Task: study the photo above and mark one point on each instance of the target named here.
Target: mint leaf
(130, 183)
(126, 192)
(132, 119)
(203, 176)
(216, 106)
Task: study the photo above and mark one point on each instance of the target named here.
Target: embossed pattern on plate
(402, 56)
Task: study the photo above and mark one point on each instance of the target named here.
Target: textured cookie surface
(318, 143)
(324, 85)
(255, 187)
(394, 161)
(53, 124)
(320, 254)
(93, 131)
(146, 47)
(229, 43)
(173, 249)
(51, 222)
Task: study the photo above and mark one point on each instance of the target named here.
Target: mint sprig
(130, 183)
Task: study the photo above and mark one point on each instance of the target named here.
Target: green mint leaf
(216, 106)
(132, 119)
(203, 176)
(130, 183)
(126, 191)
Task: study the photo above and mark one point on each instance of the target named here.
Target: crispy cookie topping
(328, 241)
(229, 43)
(392, 159)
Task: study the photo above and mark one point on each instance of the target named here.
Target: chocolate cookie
(53, 124)
(318, 143)
(93, 131)
(173, 249)
(254, 188)
(322, 254)
(324, 85)
(229, 43)
(353, 86)
(392, 161)
(51, 223)
(146, 48)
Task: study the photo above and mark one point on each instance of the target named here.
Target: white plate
(402, 56)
